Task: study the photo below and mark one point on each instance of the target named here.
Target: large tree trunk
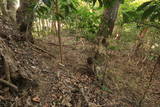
(12, 6)
(25, 18)
(99, 60)
(9, 8)
(108, 19)
(107, 25)
(3, 6)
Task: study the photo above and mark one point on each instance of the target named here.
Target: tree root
(9, 84)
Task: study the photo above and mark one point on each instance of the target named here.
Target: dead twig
(9, 84)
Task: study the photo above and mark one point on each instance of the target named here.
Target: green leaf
(130, 16)
(94, 2)
(59, 16)
(125, 17)
(122, 1)
(148, 12)
(144, 5)
(100, 3)
(47, 2)
(72, 7)
(154, 17)
(67, 10)
(108, 3)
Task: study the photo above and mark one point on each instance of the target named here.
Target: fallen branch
(43, 50)
(9, 84)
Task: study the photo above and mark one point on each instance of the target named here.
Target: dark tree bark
(108, 20)
(25, 18)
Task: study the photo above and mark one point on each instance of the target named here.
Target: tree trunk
(12, 6)
(3, 6)
(108, 19)
(25, 18)
(9, 8)
(105, 29)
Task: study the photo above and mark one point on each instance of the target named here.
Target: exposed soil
(52, 84)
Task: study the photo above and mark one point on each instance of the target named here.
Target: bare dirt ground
(70, 85)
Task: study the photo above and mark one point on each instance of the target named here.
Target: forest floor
(70, 85)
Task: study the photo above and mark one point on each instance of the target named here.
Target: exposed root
(9, 84)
